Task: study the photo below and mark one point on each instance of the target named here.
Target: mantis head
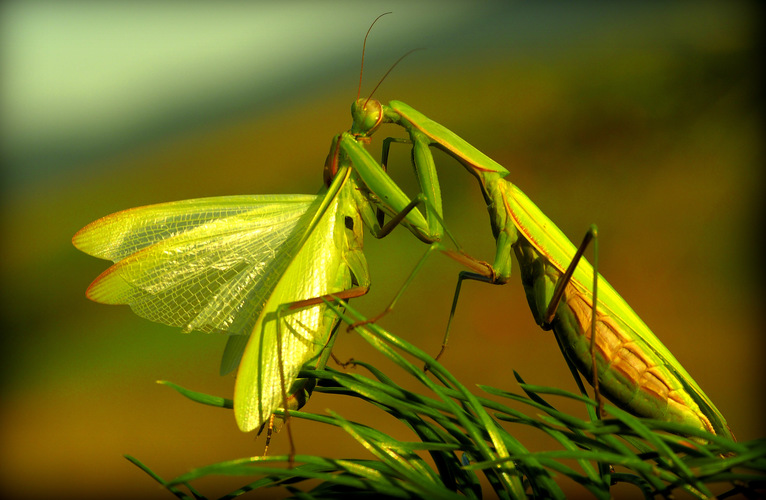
(367, 115)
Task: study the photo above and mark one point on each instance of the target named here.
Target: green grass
(467, 436)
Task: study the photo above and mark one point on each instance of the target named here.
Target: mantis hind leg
(590, 236)
(565, 278)
(463, 275)
(481, 271)
(410, 278)
(390, 225)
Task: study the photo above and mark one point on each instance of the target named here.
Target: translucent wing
(206, 264)
(234, 264)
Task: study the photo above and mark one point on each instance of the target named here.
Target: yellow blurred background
(644, 119)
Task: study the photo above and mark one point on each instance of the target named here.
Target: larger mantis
(600, 335)
(627, 362)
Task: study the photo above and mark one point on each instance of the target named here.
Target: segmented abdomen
(630, 374)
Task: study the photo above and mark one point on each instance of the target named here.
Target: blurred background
(642, 118)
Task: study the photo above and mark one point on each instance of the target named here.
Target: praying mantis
(231, 265)
(599, 334)
(253, 267)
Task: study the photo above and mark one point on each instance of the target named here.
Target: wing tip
(87, 241)
(97, 291)
(79, 239)
(247, 421)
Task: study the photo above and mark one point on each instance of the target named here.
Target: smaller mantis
(246, 266)
(253, 267)
(230, 265)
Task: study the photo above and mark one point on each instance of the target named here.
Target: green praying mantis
(235, 265)
(253, 267)
(247, 266)
(628, 363)
(599, 334)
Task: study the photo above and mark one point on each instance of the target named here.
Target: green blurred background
(643, 118)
